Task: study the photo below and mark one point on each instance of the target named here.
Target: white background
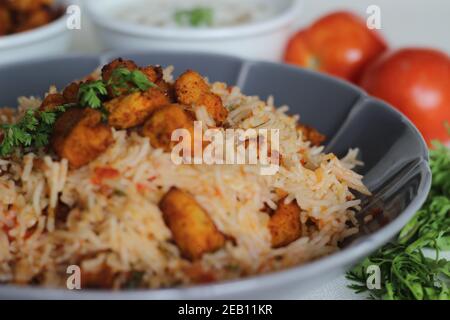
(405, 23)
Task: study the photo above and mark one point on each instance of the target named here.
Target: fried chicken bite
(51, 101)
(80, 136)
(192, 89)
(192, 229)
(6, 23)
(160, 126)
(34, 19)
(70, 93)
(214, 107)
(101, 278)
(153, 73)
(28, 5)
(109, 68)
(284, 224)
(132, 110)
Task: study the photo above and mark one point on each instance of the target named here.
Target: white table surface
(404, 23)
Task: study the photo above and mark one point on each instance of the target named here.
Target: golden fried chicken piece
(52, 101)
(153, 73)
(109, 68)
(284, 224)
(102, 278)
(132, 110)
(80, 136)
(192, 89)
(5, 20)
(311, 134)
(28, 5)
(214, 107)
(160, 126)
(193, 230)
(70, 92)
(34, 19)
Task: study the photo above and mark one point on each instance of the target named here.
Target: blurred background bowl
(52, 39)
(263, 40)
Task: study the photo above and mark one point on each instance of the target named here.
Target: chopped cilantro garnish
(196, 17)
(406, 273)
(35, 127)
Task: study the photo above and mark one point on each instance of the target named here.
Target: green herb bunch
(34, 129)
(196, 17)
(406, 273)
(123, 79)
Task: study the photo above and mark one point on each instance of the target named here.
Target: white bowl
(264, 40)
(51, 39)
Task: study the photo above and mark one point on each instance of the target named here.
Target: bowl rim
(253, 283)
(280, 20)
(36, 34)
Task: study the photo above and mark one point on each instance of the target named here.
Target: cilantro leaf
(196, 17)
(123, 79)
(406, 273)
(91, 94)
(32, 130)
(48, 118)
(36, 127)
(141, 81)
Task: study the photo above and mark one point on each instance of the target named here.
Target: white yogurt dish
(197, 13)
(258, 29)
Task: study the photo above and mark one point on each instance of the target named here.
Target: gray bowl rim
(251, 284)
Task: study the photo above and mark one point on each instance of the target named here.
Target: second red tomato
(339, 44)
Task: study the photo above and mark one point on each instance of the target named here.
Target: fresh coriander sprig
(34, 129)
(196, 17)
(406, 273)
(15, 135)
(91, 94)
(129, 81)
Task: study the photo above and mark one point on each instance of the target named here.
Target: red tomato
(417, 82)
(339, 44)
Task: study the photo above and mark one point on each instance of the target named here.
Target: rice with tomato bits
(105, 216)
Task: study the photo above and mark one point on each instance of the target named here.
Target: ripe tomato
(339, 44)
(417, 82)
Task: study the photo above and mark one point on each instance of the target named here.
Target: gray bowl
(396, 158)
